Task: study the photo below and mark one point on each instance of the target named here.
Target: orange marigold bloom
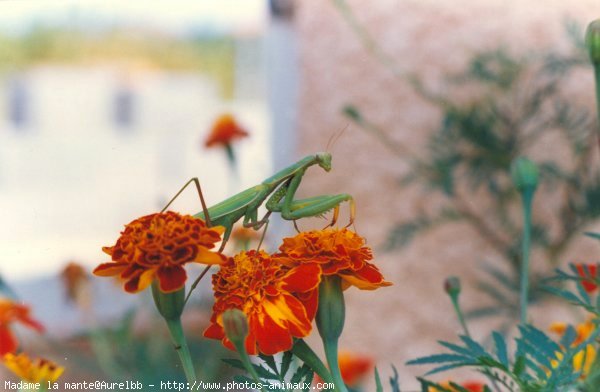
(337, 252)
(224, 131)
(11, 312)
(74, 277)
(588, 284)
(583, 360)
(354, 367)
(157, 246)
(35, 371)
(278, 301)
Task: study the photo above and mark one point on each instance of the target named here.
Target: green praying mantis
(277, 194)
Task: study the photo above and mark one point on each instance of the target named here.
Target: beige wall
(432, 38)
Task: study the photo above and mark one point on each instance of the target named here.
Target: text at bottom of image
(163, 385)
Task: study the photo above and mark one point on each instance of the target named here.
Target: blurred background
(105, 108)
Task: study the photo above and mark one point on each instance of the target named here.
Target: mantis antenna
(335, 137)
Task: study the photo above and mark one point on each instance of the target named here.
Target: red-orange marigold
(337, 252)
(157, 246)
(269, 295)
(11, 312)
(588, 284)
(224, 131)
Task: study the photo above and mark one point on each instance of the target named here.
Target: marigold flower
(157, 246)
(38, 370)
(224, 131)
(354, 367)
(11, 312)
(337, 252)
(273, 297)
(583, 360)
(74, 278)
(589, 285)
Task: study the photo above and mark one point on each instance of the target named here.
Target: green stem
(460, 316)
(331, 353)
(306, 354)
(248, 365)
(181, 346)
(527, 196)
(597, 79)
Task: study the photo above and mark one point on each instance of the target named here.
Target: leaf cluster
(270, 371)
(539, 364)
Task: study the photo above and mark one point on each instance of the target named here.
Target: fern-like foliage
(539, 364)
(270, 372)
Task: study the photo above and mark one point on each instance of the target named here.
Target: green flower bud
(452, 286)
(353, 113)
(235, 325)
(332, 310)
(592, 41)
(169, 305)
(524, 174)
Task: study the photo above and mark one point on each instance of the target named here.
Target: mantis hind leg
(316, 206)
(200, 195)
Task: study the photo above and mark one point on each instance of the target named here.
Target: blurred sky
(176, 16)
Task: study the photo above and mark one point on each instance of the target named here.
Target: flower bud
(331, 312)
(452, 286)
(235, 325)
(353, 113)
(524, 174)
(592, 41)
(169, 305)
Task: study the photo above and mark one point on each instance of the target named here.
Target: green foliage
(534, 367)
(500, 107)
(270, 372)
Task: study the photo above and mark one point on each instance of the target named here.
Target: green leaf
(501, 351)
(378, 386)
(395, 380)
(269, 361)
(593, 235)
(439, 358)
(286, 360)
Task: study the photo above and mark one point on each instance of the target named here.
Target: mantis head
(324, 160)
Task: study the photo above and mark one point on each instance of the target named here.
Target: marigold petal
(303, 278)
(206, 256)
(8, 341)
(270, 336)
(367, 278)
(25, 319)
(214, 331)
(171, 278)
(287, 311)
(310, 300)
(109, 269)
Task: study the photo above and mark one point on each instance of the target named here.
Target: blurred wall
(431, 38)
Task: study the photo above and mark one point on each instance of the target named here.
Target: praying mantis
(277, 193)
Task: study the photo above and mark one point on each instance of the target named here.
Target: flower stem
(527, 196)
(303, 351)
(460, 316)
(331, 353)
(181, 346)
(330, 323)
(597, 80)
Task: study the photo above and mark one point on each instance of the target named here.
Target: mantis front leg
(292, 209)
